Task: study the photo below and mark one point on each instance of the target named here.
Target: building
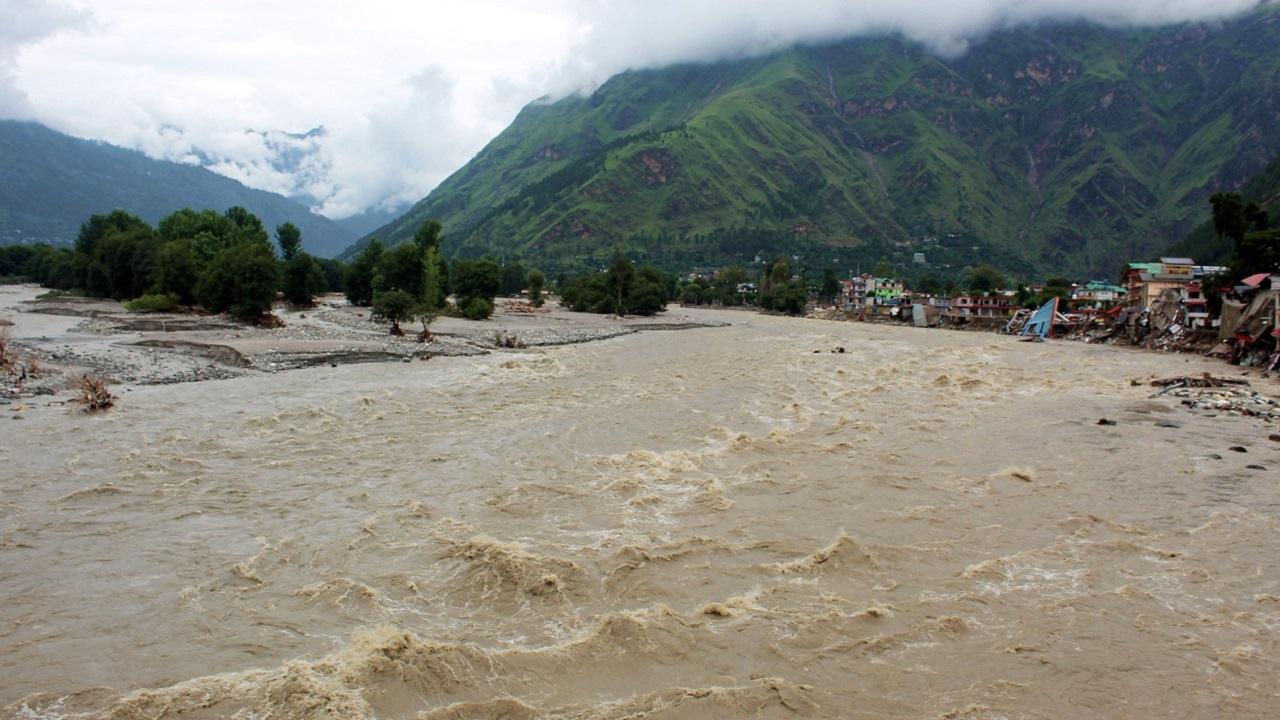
(1099, 294)
(883, 295)
(980, 305)
(1197, 306)
(1145, 281)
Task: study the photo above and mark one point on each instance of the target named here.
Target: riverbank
(68, 337)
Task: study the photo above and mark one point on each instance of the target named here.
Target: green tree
(246, 227)
(984, 278)
(303, 280)
(434, 266)
(289, 238)
(395, 307)
(427, 236)
(774, 282)
(791, 298)
(335, 273)
(360, 275)
(401, 269)
(174, 271)
(883, 268)
(830, 285)
(434, 279)
(536, 281)
(476, 279)
(241, 280)
(513, 279)
(618, 280)
(1228, 215)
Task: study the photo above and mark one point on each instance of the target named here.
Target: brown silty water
(712, 523)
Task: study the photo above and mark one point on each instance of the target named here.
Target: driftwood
(1204, 381)
(504, 340)
(93, 394)
(8, 358)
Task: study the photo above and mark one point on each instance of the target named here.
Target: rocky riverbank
(56, 339)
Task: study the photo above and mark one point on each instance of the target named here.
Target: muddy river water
(711, 523)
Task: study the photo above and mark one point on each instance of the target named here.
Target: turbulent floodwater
(712, 523)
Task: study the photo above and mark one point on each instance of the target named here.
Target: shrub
(163, 302)
(477, 308)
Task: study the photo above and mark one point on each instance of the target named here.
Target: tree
(830, 285)
(289, 237)
(513, 279)
(434, 267)
(427, 236)
(360, 276)
(303, 280)
(984, 278)
(1228, 215)
(476, 279)
(883, 268)
(774, 282)
(536, 282)
(401, 269)
(618, 278)
(434, 279)
(791, 298)
(246, 227)
(647, 294)
(174, 271)
(241, 279)
(394, 306)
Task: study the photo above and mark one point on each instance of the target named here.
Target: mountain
(50, 183)
(1054, 149)
(370, 220)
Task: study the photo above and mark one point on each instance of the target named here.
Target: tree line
(225, 262)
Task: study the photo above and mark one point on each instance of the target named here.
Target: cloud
(627, 35)
(25, 23)
(407, 92)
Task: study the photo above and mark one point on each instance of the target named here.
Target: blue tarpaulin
(1041, 323)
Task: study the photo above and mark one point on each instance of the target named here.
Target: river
(710, 523)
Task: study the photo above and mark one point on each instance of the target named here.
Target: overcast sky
(408, 91)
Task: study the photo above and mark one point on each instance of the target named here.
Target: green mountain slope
(50, 183)
(1056, 149)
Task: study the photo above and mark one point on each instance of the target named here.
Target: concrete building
(988, 305)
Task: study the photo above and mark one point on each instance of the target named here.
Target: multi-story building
(976, 305)
(1145, 281)
(1099, 294)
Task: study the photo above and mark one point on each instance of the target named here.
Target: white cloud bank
(407, 92)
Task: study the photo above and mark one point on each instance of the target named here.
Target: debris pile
(1204, 381)
(1230, 401)
(92, 393)
(507, 340)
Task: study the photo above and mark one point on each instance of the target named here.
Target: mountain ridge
(1056, 148)
(50, 183)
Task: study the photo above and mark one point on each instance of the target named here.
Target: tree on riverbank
(622, 289)
(224, 261)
